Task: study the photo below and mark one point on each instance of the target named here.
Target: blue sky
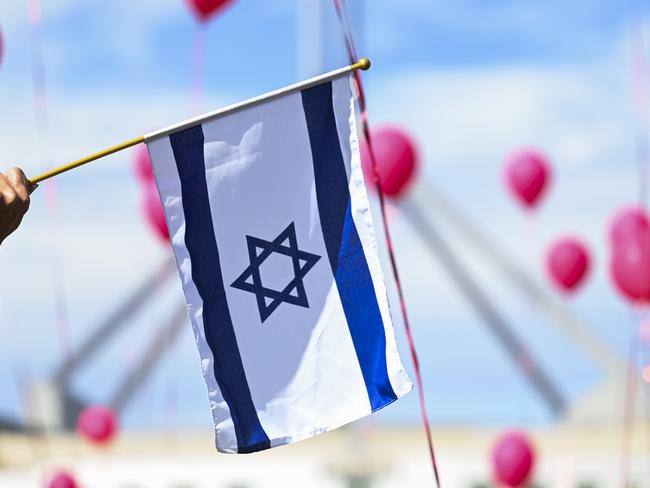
(471, 79)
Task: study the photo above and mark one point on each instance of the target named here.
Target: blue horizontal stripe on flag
(344, 248)
(201, 243)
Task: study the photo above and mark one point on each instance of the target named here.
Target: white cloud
(580, 114)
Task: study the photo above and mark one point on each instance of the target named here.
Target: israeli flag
(270, 223)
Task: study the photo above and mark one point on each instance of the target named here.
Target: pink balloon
(527, 175)
(205, 9)
(142, 164)
(628, 223)
(154, 211)
(630, 267)
(1, 47)
(513, 459)
(62, 480)
(567, 263)
(97, 424)
(396, 157)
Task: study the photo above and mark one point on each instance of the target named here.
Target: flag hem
(284, 441)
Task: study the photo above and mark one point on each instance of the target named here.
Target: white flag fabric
(270, 223)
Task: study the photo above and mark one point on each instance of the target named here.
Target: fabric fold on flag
(270, 224)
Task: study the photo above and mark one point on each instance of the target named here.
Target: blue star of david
(250, 280)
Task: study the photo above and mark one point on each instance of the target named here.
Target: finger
(14, 207)
(7, 191)
(19, 183)
(14, 195)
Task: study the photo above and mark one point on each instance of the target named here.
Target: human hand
(15, 189)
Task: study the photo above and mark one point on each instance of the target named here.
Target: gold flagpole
(363, 64)
(87, 159)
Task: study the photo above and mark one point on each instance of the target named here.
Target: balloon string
(643, 339)
(640, 81)
(349, 41)
(61, 312)
(20, 381)
(198, 68)
(629, 411)
(51, 196)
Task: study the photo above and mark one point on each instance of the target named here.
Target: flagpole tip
(364, 64)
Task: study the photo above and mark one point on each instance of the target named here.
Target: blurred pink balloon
(628, 223)
(142, 164)
(205, 9)
(396, 157)
(62, 480)
(97, 424)
(513, 459)
(527, 174)
(1, 47)
(568, 263)
(154, 211)
(630, 266)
